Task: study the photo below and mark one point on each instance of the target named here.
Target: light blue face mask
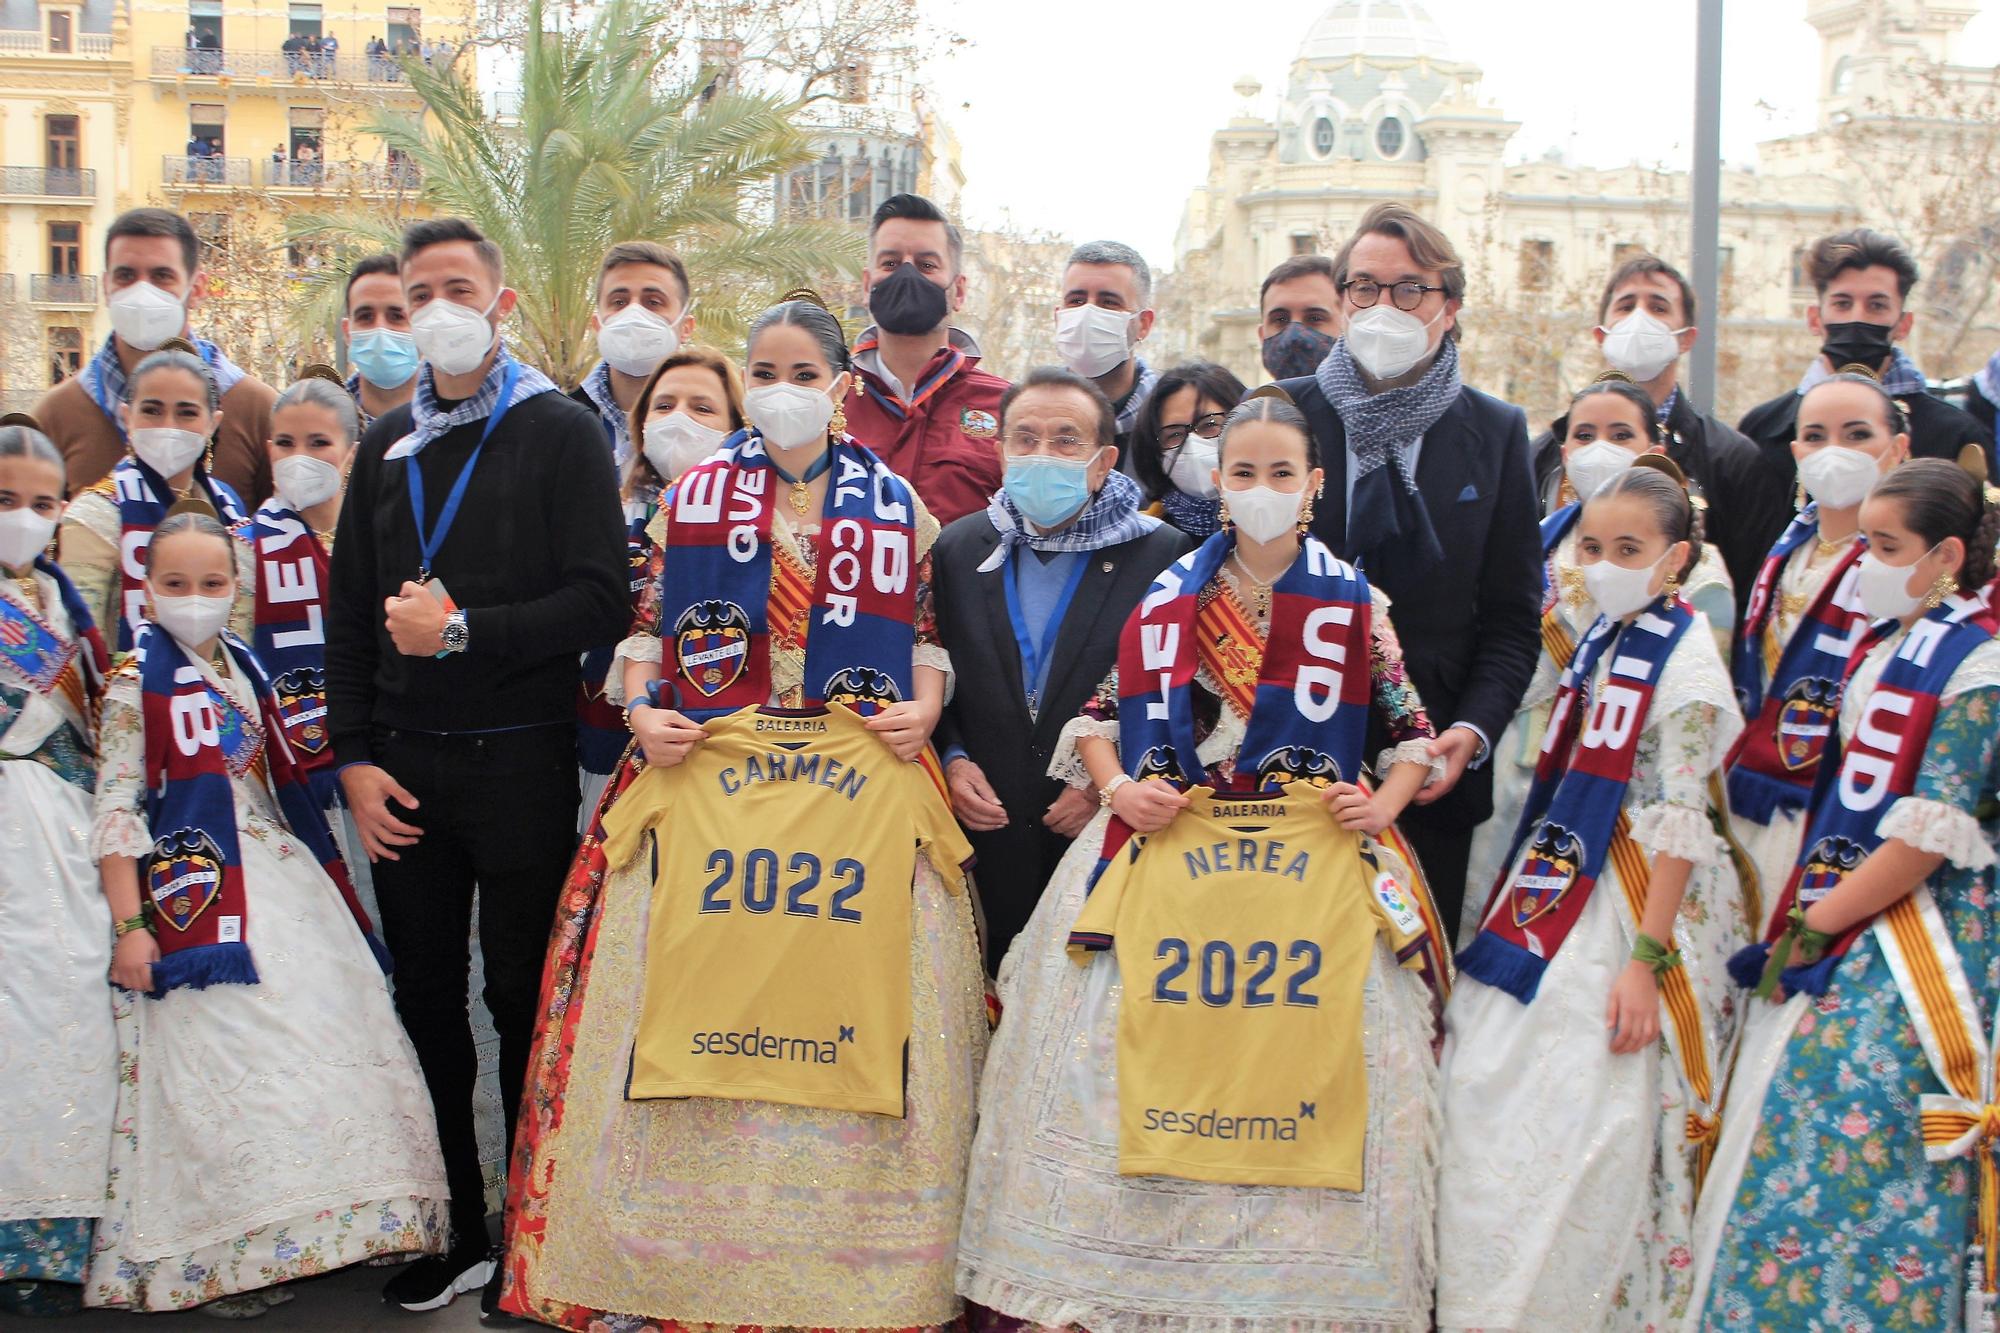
(1047, 490)
(386, 358)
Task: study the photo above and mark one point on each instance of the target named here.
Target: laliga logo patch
(712, 645)
(1298, 763)
(977, 424)
(1554, 860)
(302, 707)
(1158, 762)
(1395, 905)
(855, 686)
(1831, 860)
(185, 877)
(1805, 720)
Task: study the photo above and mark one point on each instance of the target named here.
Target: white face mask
(1263, 514)
(1589, 466)
(23, 536)
(1641, 346)
(454, 338)
(192, 620)
(1884, 588)
(166, 450)
(144, 316)
(1193, 470)
(676, 442)
(1093, 341)
(1619, 591)
(788, 416)
(635, 340)
(304, 481)
(1838, 477)
(1387, 342)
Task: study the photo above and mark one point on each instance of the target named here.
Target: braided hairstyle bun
(1939, 500)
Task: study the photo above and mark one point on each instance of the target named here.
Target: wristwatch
(455, 635)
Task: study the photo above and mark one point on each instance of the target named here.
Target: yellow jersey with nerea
(778, 950)
(1243, 933)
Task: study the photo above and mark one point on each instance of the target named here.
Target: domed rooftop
(1396, 28)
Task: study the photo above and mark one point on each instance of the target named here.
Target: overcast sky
(1092, 119)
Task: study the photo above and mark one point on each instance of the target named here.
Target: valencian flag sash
(717, 585)
(1794, 707)
(33, 653)
(1867, 775)
(1573, 808)
(196, 742)
(290, 634)
(142, 497)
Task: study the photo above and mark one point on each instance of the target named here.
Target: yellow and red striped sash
(791, 598)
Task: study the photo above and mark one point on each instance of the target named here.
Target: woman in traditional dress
(1608, 426)
(656, 1214)
(271, 1120)
(1804, 619)
(1859, 1126)
(1054, 1234)
(1581, 1042)
(169, 416)
(58, 1053)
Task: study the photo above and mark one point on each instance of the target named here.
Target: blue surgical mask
(386, 358)
(1047, 490)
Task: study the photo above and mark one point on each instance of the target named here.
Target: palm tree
(609, 147)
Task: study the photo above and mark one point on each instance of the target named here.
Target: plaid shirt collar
(1143, 379)
(430, 421)
(597, 388)
(104, 377)
(1111, 517)
(1902, 377)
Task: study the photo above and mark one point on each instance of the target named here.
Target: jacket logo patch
(978, 424)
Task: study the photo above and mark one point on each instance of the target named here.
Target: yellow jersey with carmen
(778, 949)
(1243, 933)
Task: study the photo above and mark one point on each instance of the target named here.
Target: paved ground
(348, 1299)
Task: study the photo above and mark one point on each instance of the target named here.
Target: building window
(1538, 265)
(1623, 251)
(1801, 280)
(1323, 137)
(1725, 269)
(1843, 76)
(65, 353)
(65, 249)
(62, 136)
(406, 31)
(305, 20)
(205, 33)
(213, 229)
(1390, 137)
(1302, 243)
(62, 28)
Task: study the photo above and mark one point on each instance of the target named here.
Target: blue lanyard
(1034, 657)
(428, 543)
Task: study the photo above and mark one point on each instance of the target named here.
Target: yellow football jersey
(778, 952)
(1243, 932)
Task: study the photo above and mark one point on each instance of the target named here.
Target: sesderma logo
(757, 1044)
(1215, 1124)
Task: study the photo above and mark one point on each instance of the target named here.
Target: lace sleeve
(1395, 697)
(1098, 717)
(118, 825)
(1943, 830)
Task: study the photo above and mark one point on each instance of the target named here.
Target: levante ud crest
(1805, 720)
(1298, 763)
(1158, 762)
(1832, 859)
(184, 878)
(302, 708)
(1547, 873)
(712, 645)
(855, 686)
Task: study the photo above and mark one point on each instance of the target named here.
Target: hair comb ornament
(808, 295)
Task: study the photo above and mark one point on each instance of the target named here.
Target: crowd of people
(1581, 845)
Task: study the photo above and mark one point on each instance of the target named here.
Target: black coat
(1724, 463)
(988, 713)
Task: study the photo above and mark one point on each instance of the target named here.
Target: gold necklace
(30, 589)
(1824, 547)
(1260, 593)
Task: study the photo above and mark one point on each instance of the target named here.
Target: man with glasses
(1031, 596)
(1430, 491)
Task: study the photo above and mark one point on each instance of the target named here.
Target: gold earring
(1944, 587)
(1672, 587)
(1799, 495)
(1222, 513)
(1306, 515)
(1565, 494)
(839, 423)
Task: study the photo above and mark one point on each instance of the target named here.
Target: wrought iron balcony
(78, 289)
(49, 182)
(179, 171)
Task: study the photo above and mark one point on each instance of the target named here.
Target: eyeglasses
(1208, 427)
(1407, 295)
(1062, 446)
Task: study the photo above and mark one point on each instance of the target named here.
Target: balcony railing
(196, 172)
(89, 45)
(56, 182)
(368, 177)
(62, 288)
(284, 66)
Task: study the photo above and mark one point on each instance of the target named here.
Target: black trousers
(497, 810)
(1441, 835)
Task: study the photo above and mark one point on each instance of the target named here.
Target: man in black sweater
(480, 550)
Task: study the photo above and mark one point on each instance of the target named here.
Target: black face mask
(1296, 351)
(907, 302)
(1857, 344)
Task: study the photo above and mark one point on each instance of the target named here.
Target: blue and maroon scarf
(716, 580)
(196, 742)
(290, 634)
(1578, 793)
(32, 652)
(143, 497)
(1793, 714)
(1864, 778)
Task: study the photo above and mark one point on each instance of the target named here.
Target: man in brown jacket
(152, 280)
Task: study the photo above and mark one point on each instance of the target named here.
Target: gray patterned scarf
(1381, 427)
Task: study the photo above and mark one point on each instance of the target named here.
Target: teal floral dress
(1834, 1219)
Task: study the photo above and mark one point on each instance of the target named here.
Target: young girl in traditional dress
(1608, 426)
(58, 1053)
(1054, 1234)
(671, 1213)
(271, 1121)
(169, 416)
(1579, 1061)
(1857, 1153)
(1804, 619)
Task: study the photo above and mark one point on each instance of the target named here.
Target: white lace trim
(637, 648)
(1410, 752)
(1675, 830)
(1067, 765)
(934, 655)
(1943, 830)
(120, 833)
(97, 514)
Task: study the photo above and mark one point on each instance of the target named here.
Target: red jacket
(946, 440)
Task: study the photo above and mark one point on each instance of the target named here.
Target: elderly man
(1105, 310)
(1031, 596)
